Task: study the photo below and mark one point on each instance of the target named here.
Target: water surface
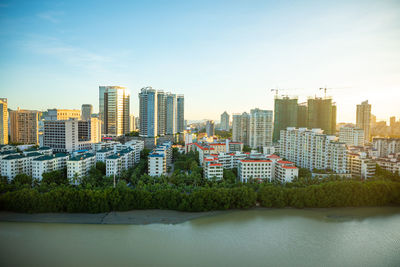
(331, 237)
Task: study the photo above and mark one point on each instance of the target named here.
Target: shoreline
(145, 217)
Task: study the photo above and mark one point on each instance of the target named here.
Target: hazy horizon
(222, 55)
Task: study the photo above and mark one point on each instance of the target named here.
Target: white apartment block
(285, 171)
(80, 166)
(351, 136)
(312, 149)
(261, 128)
(159, 159)
(360, 166)
(120, 161)
(390, 163)
(259, 169)
(213, 170)
(46, 151)
(102, 154)
(17, 164)
(46, 164)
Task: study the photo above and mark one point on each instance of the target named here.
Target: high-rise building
(260, 130)
(180, 113)
(285, 115)
(225, 121)
(148, 112)
(312, 149)
(86, 110)
(161, 113)
(321, 113)
(3, 121)
(62, 114)
(171, 110)
(240, 128)
(351, 136)
(210, 129)
(114, 110)
(363, 119)
(24, 126)
(132, 126)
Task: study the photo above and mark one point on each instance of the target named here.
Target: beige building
(95, 126)
(63, 114)
(3, 121)
(351, 136)
(24, 126)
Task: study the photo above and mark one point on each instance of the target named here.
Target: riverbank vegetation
(185, 189)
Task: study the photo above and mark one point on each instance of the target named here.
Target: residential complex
(48, 163)
(79, 166)
(160, 113)
(224, 125)
(312, 149)
(120, 161)
(361, 166)
(3, 121)
(363, 118)
(351, 136)
(24, 127)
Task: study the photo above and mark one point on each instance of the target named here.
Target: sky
(222, 55)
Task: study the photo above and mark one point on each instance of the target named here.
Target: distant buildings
(351, 136)
(24, 128)
(210, 128)
(95, 126)
(386, 146)
(86, 110)
(363, 119)
(132, 125)
(3, 121)
(312, 149)
(260, 129)
(114, 110)
(225, 122)
(160, 113)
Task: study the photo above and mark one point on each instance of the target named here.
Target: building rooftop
(82, 157)
(43, 158)
(14, 157)
(104, 150)
(9, 152)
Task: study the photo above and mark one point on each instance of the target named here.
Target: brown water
(335, 237)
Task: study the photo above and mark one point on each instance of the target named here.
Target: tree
(57, 177)
(22, 179)
(101, 166)
(246, 148)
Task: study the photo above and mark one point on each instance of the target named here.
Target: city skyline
(228, 51)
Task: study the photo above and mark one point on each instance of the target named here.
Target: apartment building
(159, 159)
(351, 136)
(120, 161)
(24, 126)
(62, 114)
(79, 166)
(48, 163)
(361, 166)
(386, 146)
(102, 154)
(261, 128)
(3, 121)
(312, 149)
(18, 164)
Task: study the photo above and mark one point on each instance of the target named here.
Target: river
(286, 237)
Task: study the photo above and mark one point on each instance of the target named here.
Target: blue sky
(223, 55)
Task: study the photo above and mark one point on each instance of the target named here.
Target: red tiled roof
(217, 144)
(273, 156)
(255, 160)
(285, 162)
(289, 167)
(216, 164)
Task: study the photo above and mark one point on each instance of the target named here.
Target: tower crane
(276, 90)
(330, 88)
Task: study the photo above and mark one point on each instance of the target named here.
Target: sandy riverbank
(138, 217)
